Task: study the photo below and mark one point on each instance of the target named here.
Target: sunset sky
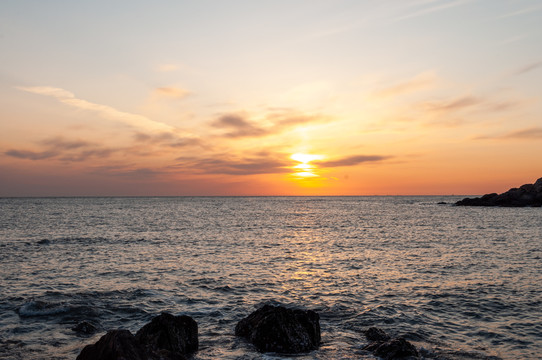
(360, 97)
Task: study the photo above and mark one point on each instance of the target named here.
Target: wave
(42, 308)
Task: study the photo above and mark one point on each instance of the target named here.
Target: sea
(457, 282)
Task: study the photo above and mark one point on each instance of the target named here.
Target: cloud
(261, 163)
(468, 103)
(238, 126)
(31, 155)
(528, 68)
(521, 12)
(62, 144)
(420, 81)
(171, 92)
(275, 122)
(533, 133)
(461, 103)
(107, 112)
(65, 150)
(167, 139)
(431, 6)
(351, 160)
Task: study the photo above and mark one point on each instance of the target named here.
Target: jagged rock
(168, 333)
(525, 195)
(382, 345)
(397, 348)
(375, 334)
(166, 337)
(281, 330)
(115, 345)
(84, 327)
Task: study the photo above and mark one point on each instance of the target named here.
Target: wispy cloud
(274, 122)
(418, 82)
(64, 150)
(519, 12)
(423, 8)
(260, 163)
(533, 133)
(458, 104)
(107, 112)
(468, 103)
(171, 92)
(167, 139)
(352, 160)
(31, 155)
(528, 68)
(238, 126)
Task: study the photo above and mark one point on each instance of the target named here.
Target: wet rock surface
(115, 345)
(166, 337)
(168, 333)
(281, 330)
(387, 348)
(525, 195)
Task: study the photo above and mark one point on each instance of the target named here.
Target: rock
(382, 345)
(115, 345)
(397, 348)
(375, 334)
(169, 334)
(281, 330)
(84, 327)
(166, 337)
(525, 195)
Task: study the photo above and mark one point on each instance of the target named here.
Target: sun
(304, 169)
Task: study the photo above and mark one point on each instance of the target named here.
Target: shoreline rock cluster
(388, 348)
(275, 329)
(166, 337)
(528, 195)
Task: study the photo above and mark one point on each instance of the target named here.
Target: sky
(281, 97)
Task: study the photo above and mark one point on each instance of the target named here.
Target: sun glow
(304, 169)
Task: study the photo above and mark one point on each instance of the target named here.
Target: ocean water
(458, 282)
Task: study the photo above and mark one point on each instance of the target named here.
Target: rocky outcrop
(281, 330)
(525, 195)
(166, 337)
(115, 345)
(383, 346)
(168, 333)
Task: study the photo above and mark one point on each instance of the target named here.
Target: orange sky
(270, 98)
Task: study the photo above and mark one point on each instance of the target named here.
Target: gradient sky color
(274, 97)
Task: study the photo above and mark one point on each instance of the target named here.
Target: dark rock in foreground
(115, 345)
(166, 337)
(525, 195)
(383, 346)
(168, 333)
(281, 330)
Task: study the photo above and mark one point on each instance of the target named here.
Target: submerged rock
(376, 334)
(281, 330)
(166, 337)
(168, 333)
(85, 327)
(115, 345)
(525, 195)
(383, 346)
